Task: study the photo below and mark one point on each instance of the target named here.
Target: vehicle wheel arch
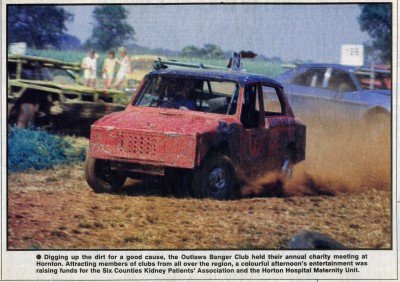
(372, 112)
(33, 95)
(221, 147)
(292, 151)
(100, 177)
(377, 122)
(34, 100)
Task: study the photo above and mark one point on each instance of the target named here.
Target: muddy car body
(224, 135)
(46, 93)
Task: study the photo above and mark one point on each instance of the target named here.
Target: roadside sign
(352, 55)
(18, 48)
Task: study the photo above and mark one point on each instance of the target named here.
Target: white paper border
(15, 265)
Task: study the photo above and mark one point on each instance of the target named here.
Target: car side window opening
(272, 103)
(249, 116)
(28, 72)
(234, 101)
(313, 77)
(369, 81)
(340, 81)
(222, 97)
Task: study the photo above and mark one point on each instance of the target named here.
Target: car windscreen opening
(204, 95)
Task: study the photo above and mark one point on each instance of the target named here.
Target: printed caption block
(236, 263)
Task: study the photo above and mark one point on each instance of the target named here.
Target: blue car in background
(333, 91)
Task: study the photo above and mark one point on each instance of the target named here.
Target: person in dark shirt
(178, 96)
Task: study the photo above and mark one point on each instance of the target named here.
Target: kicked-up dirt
(343, 190)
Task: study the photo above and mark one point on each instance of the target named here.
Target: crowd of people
(89, 66)
(177, 97)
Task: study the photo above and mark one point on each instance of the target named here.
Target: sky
(308, 31)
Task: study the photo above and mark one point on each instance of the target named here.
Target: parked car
(332, 90)
(46, 93)
(224, 130)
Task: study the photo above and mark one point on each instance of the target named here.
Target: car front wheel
(101, 178)
(215, 178)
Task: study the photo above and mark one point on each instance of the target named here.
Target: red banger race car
(197, 129)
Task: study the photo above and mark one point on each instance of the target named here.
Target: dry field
(343, 190)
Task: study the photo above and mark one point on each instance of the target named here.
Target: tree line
(44, 26)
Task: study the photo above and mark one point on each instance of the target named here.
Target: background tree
(190, 51)
(213, 51)
(69, 42)
(110, 28)
(376, 20)
(208, 51)
(37, 25)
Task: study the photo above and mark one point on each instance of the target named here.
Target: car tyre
(215, 178)
(101, 178)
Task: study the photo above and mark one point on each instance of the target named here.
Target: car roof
(338, 66)
(219, 75)
(346, 67)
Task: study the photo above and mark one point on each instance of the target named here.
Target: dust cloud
(342, 155)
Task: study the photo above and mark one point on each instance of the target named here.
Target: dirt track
(343, 190)
(46, 212)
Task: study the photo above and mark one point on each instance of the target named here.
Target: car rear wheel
(101, 178)
(378, 119)
(215, 178)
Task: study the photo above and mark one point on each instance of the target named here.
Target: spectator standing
(109, 69)
(89, 66)
(125, 67)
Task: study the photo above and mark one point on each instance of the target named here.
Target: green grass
(250, 65)
(66, 55)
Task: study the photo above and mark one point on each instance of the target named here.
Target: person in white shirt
(89, 66)
(125, 67)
